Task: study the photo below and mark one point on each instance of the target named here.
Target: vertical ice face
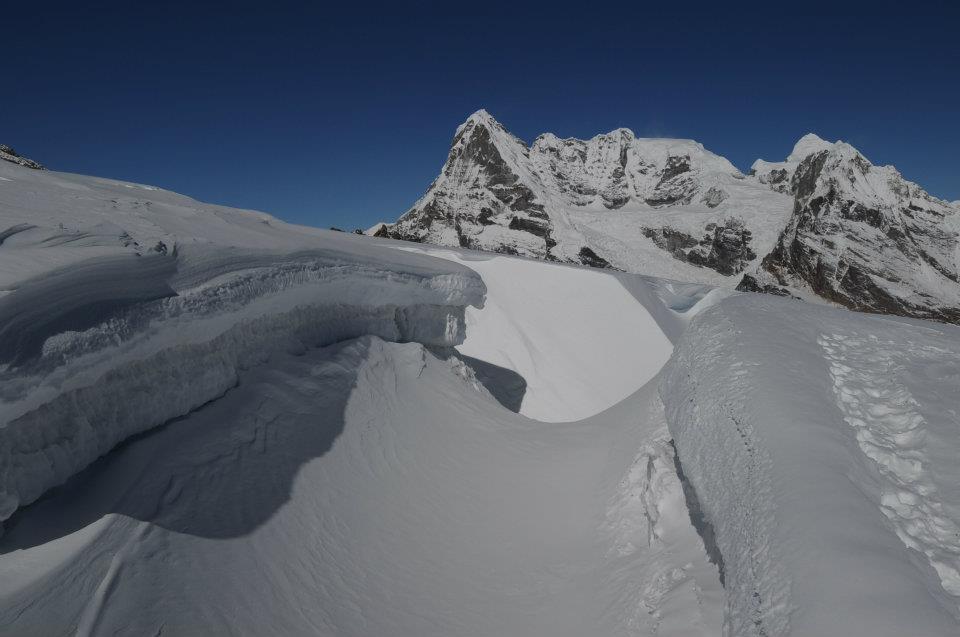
(128, 306)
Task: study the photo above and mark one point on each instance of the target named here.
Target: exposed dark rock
(591, 258)
(868, 251)
(675, 166)
(714, 197)
(859, 235)
(485, 218)
(724, 248)
(729, 248)
(778, 179)
(673, 241)
(667, 200)
(615, 202)
(749, 283)
(9, 154)
(533, 226)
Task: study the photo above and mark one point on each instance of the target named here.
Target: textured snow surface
(212, 422)
(101, 339)
(822, 445)
(532, 323)
(369, 488)
(310, 477)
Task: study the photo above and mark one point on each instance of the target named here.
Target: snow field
(831, 504)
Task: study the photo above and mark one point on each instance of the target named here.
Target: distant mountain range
(825, 224)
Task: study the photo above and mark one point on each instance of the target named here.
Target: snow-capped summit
(864, 237)
(807, 145)
(826, 222)
(544, 200)
(777, 175)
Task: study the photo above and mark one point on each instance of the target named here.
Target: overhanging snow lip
(323, 302)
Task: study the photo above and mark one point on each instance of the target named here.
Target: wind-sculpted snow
(77, 298)
(871, 381)
(542, 322)
(822, 447)
(731, 471)
(123, 306)
(368, 488)
(74, 390)
(260, 429)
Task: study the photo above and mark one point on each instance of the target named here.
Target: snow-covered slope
(260, 429)
(580, 377)
(308, 482)
(822, 445)
(368, 489)
(102, 337)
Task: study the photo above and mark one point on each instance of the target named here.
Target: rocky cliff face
(724, 247)
(8, 154)
(864, 237)
(486, 197)
(824, 224)
(497, 193)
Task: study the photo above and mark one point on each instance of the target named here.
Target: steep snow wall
(822, 448)
(70, 395)
(368, 488)
(578, 336)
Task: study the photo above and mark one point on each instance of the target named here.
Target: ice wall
(73, 390)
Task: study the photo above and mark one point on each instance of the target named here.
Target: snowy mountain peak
(807, 145)
(481, 116)
(497, 193)
(778, 175)
(862, 236)
(481, 120)
(825, 221)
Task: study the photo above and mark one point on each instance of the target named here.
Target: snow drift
(822, 445)
(101, 338)
(90, 389)
(256, 428)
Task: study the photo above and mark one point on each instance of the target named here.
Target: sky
(343, 115)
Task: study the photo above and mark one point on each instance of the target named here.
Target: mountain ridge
(672, 208)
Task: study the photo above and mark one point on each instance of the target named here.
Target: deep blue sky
(343, 114)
